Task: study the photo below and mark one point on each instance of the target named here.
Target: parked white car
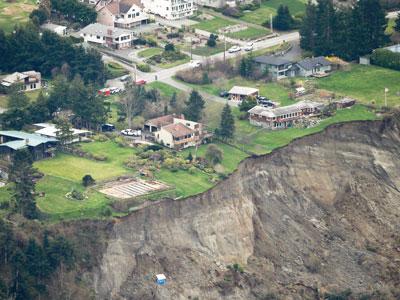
(194, 64)
(234, 49)
(249, 46)
(124, 78)
(131, 132)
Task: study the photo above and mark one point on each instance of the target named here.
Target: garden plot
(131, 188)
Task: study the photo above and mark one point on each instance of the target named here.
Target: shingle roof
(178, 129)
(29, 139)
(275, 112)
(124, 6)
(163, 120)
(310, 63)
(243, 90)
(271, 60)
(103, 30)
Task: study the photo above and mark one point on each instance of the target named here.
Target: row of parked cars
(247, 47)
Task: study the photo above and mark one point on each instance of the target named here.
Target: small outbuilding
(239, 93)
(59, 29)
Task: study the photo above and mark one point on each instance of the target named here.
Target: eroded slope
(321, 214)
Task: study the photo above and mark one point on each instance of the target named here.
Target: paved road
(166, 75)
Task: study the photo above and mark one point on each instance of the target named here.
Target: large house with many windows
(112, 37)
(122, 13)
(170, 9)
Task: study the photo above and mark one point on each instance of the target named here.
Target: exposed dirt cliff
(322, 214)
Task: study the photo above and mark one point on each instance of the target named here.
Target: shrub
(173, 35)
(169, 47)
(99, 157)
(386, 59)
(212, 40)
(232, 12)
(144, 68)
(121, 141)
(192, 170)
(213, 154)
(106, 212)
(87, 180)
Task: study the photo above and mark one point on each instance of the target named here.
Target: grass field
(269, 7)
(365, 83)
(115, 70)
(214, 24)
(15, 13)
(249, 33)
(150, 52)
(208, 51)
(165, 90)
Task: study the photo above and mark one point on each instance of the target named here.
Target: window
(98, 37)
(137, 14)
(129, 16)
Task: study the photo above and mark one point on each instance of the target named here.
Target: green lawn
(214, 24)
(74, 168)
(57, 206)
(14, 13)
(32, 95)
(231, 155)
(168, 65)
(249, 33)
(365, 83)
(165, 90)
(269, 7)
(150, 52)
(208, 51)
(185, 184)
(115, 70)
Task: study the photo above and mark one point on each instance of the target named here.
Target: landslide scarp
(319, 215)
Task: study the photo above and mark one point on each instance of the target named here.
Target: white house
(122, 14)
(29, 80)
(59, 29)
(170, 9)
(116, 38)
(239, 93)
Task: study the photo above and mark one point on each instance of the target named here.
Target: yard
(259, 16)
(249, 33)
(365, 83)
(14, 13)
(150, 52)
(214, 24)
(208, 51)
(115, 70)
(165, 90)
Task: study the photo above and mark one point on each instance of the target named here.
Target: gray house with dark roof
(39, 146)
(314, 65)
(277, 67)
(280, 68)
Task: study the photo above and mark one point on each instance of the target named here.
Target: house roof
(29, 139)
(243, 90)
(124, 6)
(271, 60)
(162, 121)
(18, 76)
(50, 130)
(312, 62)
(275, 112)
(178, 129)
(103, 30)
(51, 26)
(15, 145)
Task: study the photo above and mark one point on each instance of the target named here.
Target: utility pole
(135, 73)
(386, 91)
(224, 46)
(191, 45)
(271, 23)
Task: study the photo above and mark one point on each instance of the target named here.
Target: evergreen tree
(64, 132)
(173, 100)
(194, 106)
(22, 175)
(283, 20)
(227, 123)
(38, 110)
(246, 66)
(325, 28)
(17, 115)
(368, 24)
(397, 24)
(308, 28)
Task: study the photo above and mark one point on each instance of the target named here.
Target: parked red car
(104, 92)
(141, 82)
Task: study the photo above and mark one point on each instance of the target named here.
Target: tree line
(347, 33)
(26, 266)
(88, 109)
(26, 49)
(70, 10)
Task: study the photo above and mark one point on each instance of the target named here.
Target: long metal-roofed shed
(39, 146)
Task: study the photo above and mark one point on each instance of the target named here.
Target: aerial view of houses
(161, 149)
